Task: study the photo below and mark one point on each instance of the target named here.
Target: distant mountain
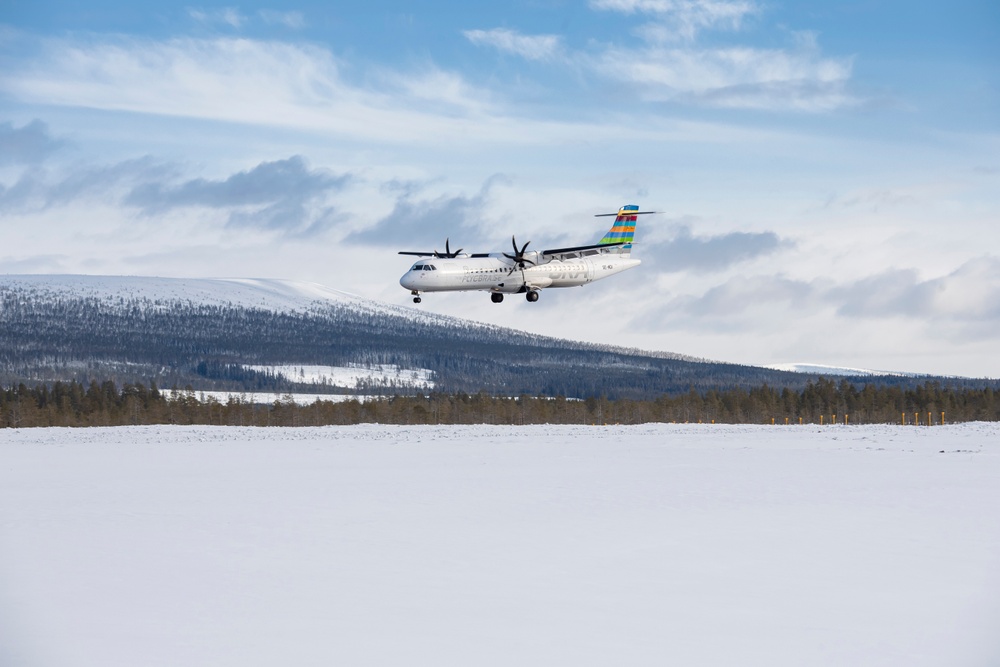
(271, 335)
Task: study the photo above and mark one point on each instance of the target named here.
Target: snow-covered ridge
(821, 369)
(269, 294)
(261, 293)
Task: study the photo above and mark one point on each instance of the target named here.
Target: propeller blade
(518, 257)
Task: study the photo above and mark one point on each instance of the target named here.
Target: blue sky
(827, 173)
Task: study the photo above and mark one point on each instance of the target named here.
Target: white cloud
(741, 77)
(741, 303)
(438, 91)
(297, 86)
(968, 295)
(281, 195)
(227, 15)
(682, 18)
(238, 80)
(712, 253)
(962, 306)
(531, 47)
(29, 144)
(294, 20)
(799, 78)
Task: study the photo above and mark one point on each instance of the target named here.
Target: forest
(820, 402)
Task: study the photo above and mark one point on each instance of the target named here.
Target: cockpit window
(431, 267)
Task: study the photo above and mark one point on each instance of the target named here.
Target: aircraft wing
(563, 253)
(447, 254)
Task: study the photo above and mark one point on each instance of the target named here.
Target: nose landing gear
(416, 296)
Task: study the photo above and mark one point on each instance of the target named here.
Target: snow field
(349, 376)
(482, 545)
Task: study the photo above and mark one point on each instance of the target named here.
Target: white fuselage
(493, 273)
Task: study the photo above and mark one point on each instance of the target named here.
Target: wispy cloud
(234, 18)
(224, 15)
(970, 293)
(737, 305)
(282, 195)
(737, 77)
(29, 144)
(876, 200)
(294, 20)
(530, 47)
(238, 80)
(962, 306)
(300, 86)
(683, 18)
(39, 189)
(671, 64)
(705, 254)
(36, 264)
(427, 222)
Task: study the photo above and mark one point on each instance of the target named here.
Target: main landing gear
(530, 295)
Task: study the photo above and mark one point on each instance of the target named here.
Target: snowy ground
(378, 545)
(349, 376)
(265, 398)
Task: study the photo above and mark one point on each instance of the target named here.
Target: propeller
(518, 257)
(447, 251)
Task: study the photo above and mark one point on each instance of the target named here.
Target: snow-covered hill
(244, 334)
(229, 334)
(840, 371)
(267, 294)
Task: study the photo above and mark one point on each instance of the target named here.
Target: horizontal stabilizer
(607, 215)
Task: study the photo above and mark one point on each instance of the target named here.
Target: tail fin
(623, 229)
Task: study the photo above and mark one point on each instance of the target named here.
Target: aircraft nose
(407, 280)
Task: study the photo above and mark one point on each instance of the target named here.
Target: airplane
(526, 272)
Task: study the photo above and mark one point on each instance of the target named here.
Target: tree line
(823, 401)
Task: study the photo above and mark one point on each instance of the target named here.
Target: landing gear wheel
(416, 299)
(532, 296)
(496, 298)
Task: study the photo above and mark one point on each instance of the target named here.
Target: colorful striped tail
(624, 228)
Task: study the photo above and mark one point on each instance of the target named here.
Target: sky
(826, 175)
